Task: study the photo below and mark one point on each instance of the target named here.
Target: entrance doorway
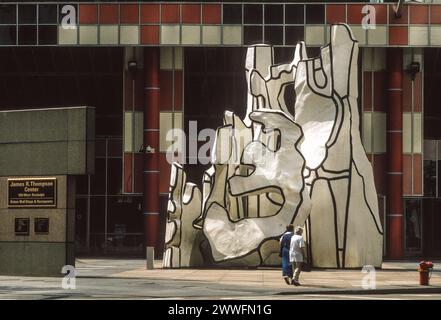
(431, 227)
(413, 230)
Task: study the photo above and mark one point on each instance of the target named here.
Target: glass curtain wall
(45, 77)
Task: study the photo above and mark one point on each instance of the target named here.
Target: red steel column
(151, 138)
(394, 153)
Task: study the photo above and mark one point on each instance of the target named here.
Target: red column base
(395, 237)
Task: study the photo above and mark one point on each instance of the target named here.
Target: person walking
(297, 254)
(285, 243)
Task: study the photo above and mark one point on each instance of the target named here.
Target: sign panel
(32, 192)
(21, 226)
(41, 226)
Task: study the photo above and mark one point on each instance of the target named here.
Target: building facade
(150, 67)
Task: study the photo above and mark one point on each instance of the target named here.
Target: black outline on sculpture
(261, 94)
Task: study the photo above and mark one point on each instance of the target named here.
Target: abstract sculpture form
(306, 166)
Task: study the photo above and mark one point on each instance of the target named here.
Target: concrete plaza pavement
(129, 279)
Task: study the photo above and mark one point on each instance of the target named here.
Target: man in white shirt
(296, 253)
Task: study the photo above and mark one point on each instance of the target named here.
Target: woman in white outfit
(296, 254)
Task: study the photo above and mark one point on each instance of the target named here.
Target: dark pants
(286, 265)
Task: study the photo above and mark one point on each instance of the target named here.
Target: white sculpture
(283, 192)
(276, 168)
(181, 239)
(345, 229)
